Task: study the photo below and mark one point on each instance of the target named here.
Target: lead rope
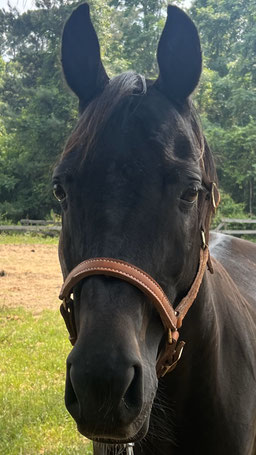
(124, 449)
(129, 448)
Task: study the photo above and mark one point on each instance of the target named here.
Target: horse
(162, 324)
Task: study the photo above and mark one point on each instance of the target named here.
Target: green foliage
(227, 95)
(228, 209)
(32, 375)
(235, 152)
(36, 110)
(138, 25)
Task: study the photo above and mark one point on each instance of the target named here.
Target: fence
(46, 227)
(223, 226)
(27, 222)
(49, 227)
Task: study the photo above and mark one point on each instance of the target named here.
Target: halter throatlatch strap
(171, 319)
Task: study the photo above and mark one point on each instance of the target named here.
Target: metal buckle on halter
(176, 357)
(213, 200)
(204, 244)
(67, 302)
(172, 353)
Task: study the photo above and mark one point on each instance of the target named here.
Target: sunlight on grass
(27, 239)
(33, 418)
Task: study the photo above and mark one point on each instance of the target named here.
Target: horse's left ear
(179, 56)
(80, 56)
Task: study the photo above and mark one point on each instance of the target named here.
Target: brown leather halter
(171, 319)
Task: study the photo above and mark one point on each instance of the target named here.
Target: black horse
(137, 183)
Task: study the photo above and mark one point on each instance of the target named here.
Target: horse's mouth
(136, 432)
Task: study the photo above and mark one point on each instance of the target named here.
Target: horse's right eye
(59, 192)
(190, 195)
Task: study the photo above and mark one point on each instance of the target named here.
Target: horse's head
(134, 184)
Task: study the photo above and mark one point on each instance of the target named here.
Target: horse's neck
(220, 349)
(214, 341)
(196, 394)
(213, 327)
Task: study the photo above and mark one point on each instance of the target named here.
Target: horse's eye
(190, 195)
(58, 192)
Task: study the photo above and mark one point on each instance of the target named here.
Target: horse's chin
(132, 434)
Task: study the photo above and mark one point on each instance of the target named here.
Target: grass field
(33, 418)
(33, 350)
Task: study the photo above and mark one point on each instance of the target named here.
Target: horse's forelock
(99, 111)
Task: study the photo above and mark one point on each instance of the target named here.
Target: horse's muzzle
(106, 401)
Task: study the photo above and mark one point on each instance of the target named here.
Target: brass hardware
(203, 239)
(176, 358)
(213, 200)
(213, 196)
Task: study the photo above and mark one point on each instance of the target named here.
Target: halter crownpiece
(171, 319)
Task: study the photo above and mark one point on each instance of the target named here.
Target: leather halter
(171, 319)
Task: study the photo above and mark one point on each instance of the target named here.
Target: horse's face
(130, 184)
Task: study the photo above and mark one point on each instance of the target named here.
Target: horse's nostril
(130, 398)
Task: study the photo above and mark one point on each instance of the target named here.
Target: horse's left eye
(190, 195)
(59, 192)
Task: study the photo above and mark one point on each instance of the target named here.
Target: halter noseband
(171, 319)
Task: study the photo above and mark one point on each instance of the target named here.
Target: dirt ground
(30, 276)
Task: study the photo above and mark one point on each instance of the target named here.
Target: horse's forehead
(158, 116)
(152, 130)
(148, 132)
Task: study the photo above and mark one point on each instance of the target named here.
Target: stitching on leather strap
(126, 264)
(121, 273)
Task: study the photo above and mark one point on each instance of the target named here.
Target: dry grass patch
(30, 277)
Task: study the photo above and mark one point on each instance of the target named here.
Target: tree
(37, 111)
(227, 96)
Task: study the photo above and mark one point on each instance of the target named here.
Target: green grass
(27, 239)
(33, 418)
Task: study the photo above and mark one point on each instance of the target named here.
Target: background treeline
(38, 113)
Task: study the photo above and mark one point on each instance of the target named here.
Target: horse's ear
(179, 56)
(80, 54)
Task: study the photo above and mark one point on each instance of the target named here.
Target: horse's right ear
(80, 55)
